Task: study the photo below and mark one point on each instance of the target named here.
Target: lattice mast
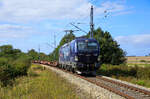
(91, 23)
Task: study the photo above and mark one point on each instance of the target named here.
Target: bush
(140, 82)
(6, 74)
(21, 66)
(143, 73)
(13, 63)
(125, 71)
(9, 70)
(137, 75)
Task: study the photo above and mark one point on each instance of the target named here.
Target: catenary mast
(91, 23)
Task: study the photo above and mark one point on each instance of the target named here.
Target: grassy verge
(136, 74)
(39, 84)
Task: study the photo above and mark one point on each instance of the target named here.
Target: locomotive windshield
(87, 46)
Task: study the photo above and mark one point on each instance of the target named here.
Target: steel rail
(125, 85)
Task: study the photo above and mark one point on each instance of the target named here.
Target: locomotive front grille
(87, 59)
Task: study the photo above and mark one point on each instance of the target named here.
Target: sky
(30, 24)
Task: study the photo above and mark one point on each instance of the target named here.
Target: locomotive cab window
(87, 46)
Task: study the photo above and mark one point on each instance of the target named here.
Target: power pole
(39, 51)
(54, 46)
(54, 40)
(91, 22)
(70, 31)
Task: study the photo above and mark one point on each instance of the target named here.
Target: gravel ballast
(86, 87)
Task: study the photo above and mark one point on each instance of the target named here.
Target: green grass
(40, 83)
(134, 74)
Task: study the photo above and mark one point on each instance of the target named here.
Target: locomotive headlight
(98, 59)
(76, 58)
(95, 54)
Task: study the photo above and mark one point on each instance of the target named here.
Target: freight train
(80, 56)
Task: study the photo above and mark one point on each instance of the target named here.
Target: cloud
(122, 13)
(21, 11)
(134, 40)
(135, 44)
(9, 31)
(25, 18)
(115, 8)
(35, 10)
(12, 27)
(26, 10)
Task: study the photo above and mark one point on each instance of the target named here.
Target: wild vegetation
(37, 56)
(40, 83)
(134, 74)
(13, 63)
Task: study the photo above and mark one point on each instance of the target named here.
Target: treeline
(38, 56)
(110, 51)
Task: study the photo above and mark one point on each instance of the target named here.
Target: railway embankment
(40, 83)
(84, 86)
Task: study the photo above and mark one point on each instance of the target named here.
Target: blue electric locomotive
(80, 55)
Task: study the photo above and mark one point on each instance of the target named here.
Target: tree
(9, 52)
(110, 52)
(33, 54)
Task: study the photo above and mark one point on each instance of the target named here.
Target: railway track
(124, 90)
(138, 93)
